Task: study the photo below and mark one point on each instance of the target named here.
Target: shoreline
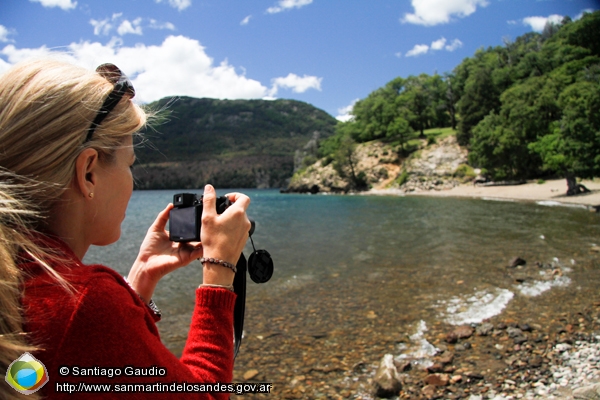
(551, 191)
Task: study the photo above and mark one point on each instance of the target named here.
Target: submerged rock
(437, 379)
(485, 329)
(387, 379)
(591, 392)
(462, 332)
(516, 261)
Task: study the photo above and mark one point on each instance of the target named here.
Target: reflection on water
(424, 258)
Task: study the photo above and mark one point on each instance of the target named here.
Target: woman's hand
(223, 236)
(159, 256)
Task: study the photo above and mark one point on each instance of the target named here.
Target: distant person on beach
(66, 152)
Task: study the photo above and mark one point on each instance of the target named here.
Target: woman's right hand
(223, 236)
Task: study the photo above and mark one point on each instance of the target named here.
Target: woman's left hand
(159, 256)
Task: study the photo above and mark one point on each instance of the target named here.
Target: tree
(438, 90)
(345, 159)
(391, 112)
(501, 142)
(500, 149)
(382, 115)
(401, 130)
(451, 98)
(417, 100)
(546, 120)
(374, 114)
(573, 147)
(479, 99)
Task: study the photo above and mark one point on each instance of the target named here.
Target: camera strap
(260, 268)
(239, 287)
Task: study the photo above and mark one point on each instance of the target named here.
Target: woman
(71, 131)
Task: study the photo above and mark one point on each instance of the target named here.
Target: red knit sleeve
(111, 327)
(210, 347)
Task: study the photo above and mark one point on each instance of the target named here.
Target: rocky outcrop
(438, 166)
(376, 160)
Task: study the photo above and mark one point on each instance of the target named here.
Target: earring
(91, 195)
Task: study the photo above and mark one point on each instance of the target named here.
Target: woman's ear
(86, 170)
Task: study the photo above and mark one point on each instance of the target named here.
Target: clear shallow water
(411, 259)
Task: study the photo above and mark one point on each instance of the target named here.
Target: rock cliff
(439, 166)
(436, 166)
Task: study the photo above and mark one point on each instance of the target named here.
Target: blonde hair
(46, 109)
(14, 216)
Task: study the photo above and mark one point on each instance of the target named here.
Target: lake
(357, 266)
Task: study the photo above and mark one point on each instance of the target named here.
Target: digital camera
(186, 216)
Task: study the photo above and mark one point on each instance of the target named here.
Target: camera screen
(182, 225)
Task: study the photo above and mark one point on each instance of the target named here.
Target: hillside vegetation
(527, 109)
(229, 143)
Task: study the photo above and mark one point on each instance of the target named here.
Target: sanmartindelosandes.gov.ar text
(161, 387)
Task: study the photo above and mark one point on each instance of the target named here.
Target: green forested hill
(527, 109)
(229, 143)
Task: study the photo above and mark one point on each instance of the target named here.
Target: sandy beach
(549, 191)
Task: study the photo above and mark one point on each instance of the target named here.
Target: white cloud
(344, 112)
(130, 27)
(417, 50)
(296, 83)
(123, 26)
(154, 24)
(4, 32)
(284, 5)
(538, 23)
(15, 55)
(246, 20)
(434, 12)
(438, 44)
(103, 27)
(178, 4)
(4, 66)
(64, 4)
(456, 44)
(177, 67)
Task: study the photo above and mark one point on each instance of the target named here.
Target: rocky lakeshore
(498, 359)
(505, 360)
(438, 169)
(547, 348)
(340, 349)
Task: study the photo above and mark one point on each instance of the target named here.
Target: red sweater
(104, 324)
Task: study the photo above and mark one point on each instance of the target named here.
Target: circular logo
(26, 374)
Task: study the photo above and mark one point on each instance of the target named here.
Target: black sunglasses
(122, 86)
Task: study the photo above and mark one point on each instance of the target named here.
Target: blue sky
(325, 52)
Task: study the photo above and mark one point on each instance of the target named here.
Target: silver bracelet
(211, 260)
(228, 287)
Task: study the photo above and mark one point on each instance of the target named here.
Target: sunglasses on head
(122, 86)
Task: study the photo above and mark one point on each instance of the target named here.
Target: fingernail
(208, 188)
